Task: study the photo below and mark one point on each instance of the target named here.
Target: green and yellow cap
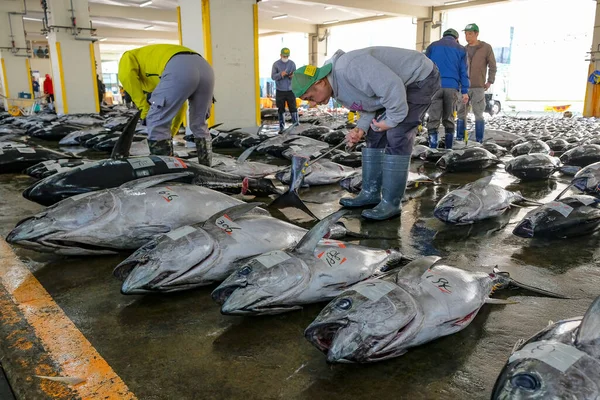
(285, 52)
(471, 27)
(306, 76)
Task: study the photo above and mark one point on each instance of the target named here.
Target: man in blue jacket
(281, 73)
(451, 59)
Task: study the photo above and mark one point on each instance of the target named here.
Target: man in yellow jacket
(173, 74)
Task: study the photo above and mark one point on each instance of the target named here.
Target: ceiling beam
(286, 25)
(355, 21)
(378, 6)
(104, 10)
(33, 29)
(474, 3)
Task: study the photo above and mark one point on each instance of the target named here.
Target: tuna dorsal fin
(589, 330)
(482, 182)
(121, 149)
(297, 171)
(150, 181)
(244, 156)
(310, 240)
(415, 269)
(233, 213)
(215, 126)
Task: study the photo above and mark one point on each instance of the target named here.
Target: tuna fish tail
(123, 145)
(504, 281)
(291, 199)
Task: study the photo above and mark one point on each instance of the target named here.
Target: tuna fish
(47, 168)
(322, 172)
(122, 218)
(581, 156)
(469, 159)
(244, 168)
(379, 319)
(532, 166)
(353, 183)
(315, 270)
(532, 146)
(568, 217)
(474, 202)
(588, 179)
(205, 253)
(561, 361)
(17, 159)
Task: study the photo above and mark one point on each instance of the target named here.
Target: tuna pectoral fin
(232, 213)
(244, 156)
(589, 330)
(291, 199)
(489, 300)
(147, 232)
(121, 149)
(563, 192)
(150, 181)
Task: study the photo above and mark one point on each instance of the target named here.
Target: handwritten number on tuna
(222, 223)
(442, 283)
(168, 195)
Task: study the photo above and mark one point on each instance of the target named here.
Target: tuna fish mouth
(221, 294)
(442, 213)
(322, 335)
(524, 229)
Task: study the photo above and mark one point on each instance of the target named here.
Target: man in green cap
(281, 73)
(391, 88)
(451, 59)
(481, 59)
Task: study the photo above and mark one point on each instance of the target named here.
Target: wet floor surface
(179, 346)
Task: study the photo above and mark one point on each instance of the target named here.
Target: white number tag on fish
(557, 355)
(226, 224)
(586, 200)
(462, 193)
(317, 154)
(374, 290)
(181, 153)
(271, 258)
(50, 162)
(181, 232)
(459, 152)
(562, 208)
(173, 163)
(87, 165)
(332, 257)
(25, 150)
(168, 194)
(142, 162)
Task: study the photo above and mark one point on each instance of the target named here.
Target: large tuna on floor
(122, 218)
(379, 319)
(532, 166)
(581, 156)
(532, 146)
(314, 270)
(568, 217)
(562, 361)
(469, 160)
(17, 159)
(322, 172)
(474, 202)
(588, 179)
(208, 252)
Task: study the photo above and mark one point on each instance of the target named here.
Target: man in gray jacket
(391, 88)
(281, 73)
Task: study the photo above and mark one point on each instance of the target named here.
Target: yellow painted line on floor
(64, 343)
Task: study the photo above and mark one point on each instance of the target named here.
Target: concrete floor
(179, 346)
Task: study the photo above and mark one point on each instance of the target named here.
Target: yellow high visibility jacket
(140, 71)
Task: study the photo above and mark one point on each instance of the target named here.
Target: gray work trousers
(477, 101)
(186, 77)
(442, 109)
(400, 139)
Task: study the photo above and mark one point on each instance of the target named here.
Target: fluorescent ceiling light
(146, 3)
(379, 14)
(333, 21)
(451, 3)
(280, 16)
(147, 28)
(328, 8)
(102, 40)
(32, 19)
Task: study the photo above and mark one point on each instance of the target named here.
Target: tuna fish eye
(344, 304)
(525, 381)
(245, 271)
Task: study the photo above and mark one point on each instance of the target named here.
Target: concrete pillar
(14, 61)
(72, 56)
(318, 47)
(428, 30)
(234, 57)
(591, 105)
